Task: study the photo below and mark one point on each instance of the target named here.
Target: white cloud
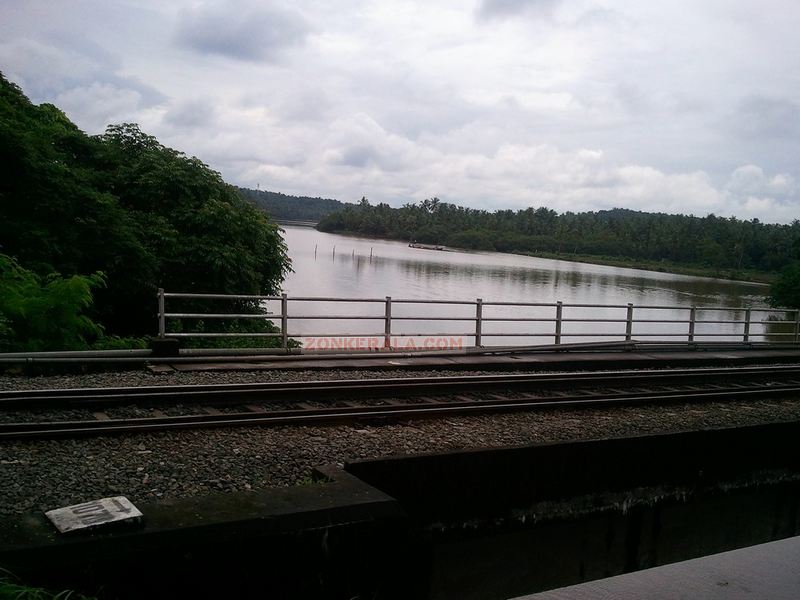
(100, 104)
(498, 9)
(244, 31)
(750, 180)
(574, 104)
(191, 114)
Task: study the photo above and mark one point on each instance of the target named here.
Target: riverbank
(664, 267)
(661, 266)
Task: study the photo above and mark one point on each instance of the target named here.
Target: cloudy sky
(686, 106)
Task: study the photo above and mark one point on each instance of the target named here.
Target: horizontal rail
(515, 319)
(325, 299)
(594, 320)
(220, 296)
(414, 301)
(218, 315)
(517, 334)
(431, 318)
(542, 304)
(664, 321)
(203, 334)
(484, 321)
(335, 317)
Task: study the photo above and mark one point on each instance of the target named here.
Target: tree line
(292, 208)
(91, 226)
(724, 244)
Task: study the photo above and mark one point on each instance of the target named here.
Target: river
(332, 265)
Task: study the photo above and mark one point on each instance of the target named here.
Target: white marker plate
(94, 514)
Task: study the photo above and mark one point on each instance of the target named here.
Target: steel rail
(311, 416)
(399, 386)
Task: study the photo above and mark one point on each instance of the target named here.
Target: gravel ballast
(41, 475)
(145, 378)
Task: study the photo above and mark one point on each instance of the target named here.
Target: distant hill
(719, 246)
(294, 208)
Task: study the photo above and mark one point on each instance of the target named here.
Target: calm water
(367, 268)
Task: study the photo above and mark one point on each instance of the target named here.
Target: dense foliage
(721, 243)
(785, 291)
(144, 215)
(293, 208)
(38, 314)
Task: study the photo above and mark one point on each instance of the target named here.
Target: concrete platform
(336, 538)
(484, 524)
(767, 571)
(545, 361)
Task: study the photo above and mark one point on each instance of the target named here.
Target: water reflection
(368, 268)
(779, 326)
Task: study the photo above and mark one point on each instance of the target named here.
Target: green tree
(281, 206)
(145, 215)
(45, 314)
(713, 243)
(785, 291)
(202, 236)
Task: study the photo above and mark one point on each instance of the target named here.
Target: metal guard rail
(478, 320)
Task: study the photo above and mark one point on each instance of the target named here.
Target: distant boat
(426, 246)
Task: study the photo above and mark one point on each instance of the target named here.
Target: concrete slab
(530, 361)
(763, 571)
(158, 369)
(325, 540)
(341, 499)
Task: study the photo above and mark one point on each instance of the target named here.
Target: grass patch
(13, 589)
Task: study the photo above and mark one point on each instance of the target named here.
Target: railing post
(796, 326)
(692, 319)
(162, 320)
(746, 336)
(284, 321)
(629, 323)
(478, 321)
(559, 312)
(387, 328)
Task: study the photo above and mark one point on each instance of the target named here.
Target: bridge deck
(535, 361)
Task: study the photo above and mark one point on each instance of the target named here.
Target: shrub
(45, 314)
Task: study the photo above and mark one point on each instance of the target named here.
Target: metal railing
(486, 320)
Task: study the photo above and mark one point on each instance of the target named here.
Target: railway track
(316, 402)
